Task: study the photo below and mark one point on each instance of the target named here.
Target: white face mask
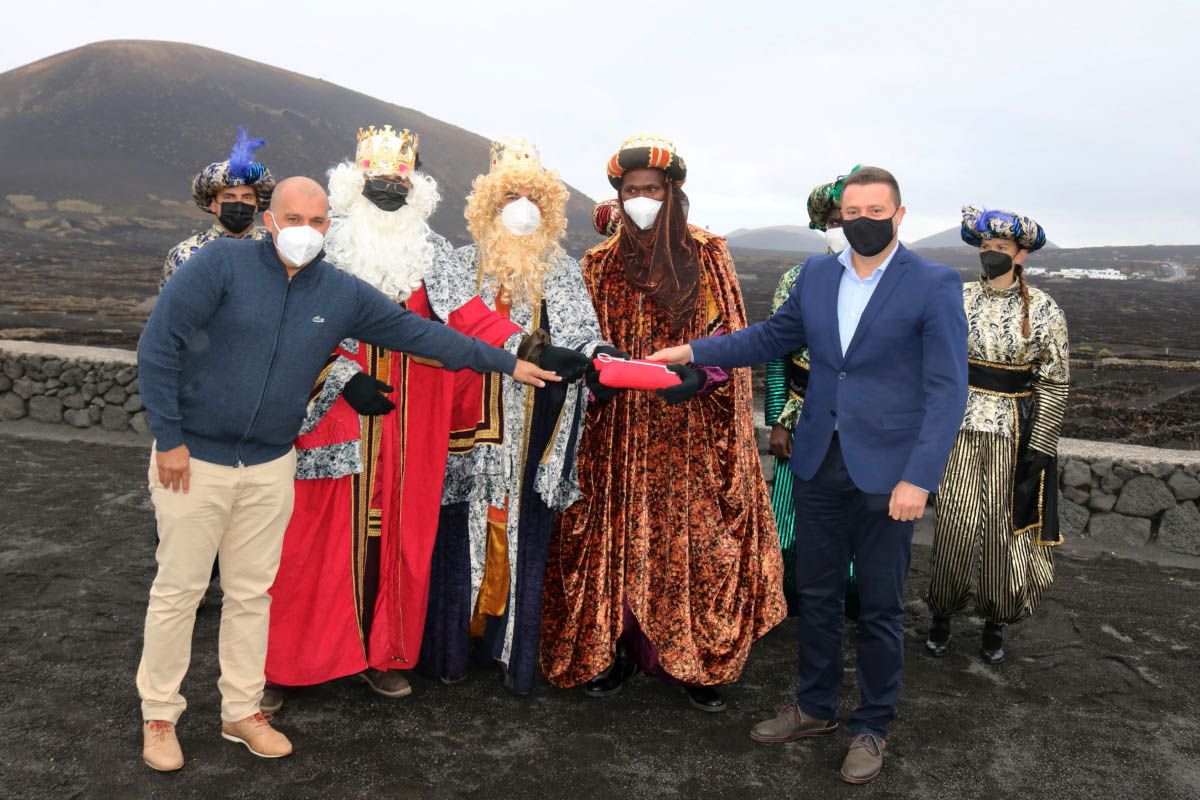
(521, 216)
(643, 211)
(298, 244)
(835, 240)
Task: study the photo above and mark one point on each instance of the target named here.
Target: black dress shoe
(938, 643)
(705, 698)
(992, 650)
(612, 679)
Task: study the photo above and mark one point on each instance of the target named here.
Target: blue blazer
(896, 396)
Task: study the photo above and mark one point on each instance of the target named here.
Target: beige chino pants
(236, 514)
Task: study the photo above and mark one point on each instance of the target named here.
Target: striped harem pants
(974, 548)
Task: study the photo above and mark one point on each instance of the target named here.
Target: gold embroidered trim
(979, 362)
(371, 432)
(1005, 395)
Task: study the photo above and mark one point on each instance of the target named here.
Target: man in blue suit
(887, 339)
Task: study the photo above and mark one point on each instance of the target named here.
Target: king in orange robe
(669, 562)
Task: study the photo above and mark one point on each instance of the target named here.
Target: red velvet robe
(317, 628)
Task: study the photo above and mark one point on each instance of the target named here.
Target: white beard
(391, 250)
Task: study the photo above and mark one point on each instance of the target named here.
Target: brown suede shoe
(864, 759)
(259, 737)
(272, 700)
(389, 684)
(160, 748)
(791, 723)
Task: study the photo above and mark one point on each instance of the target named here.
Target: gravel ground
(1098, 697)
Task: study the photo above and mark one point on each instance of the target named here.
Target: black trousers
(835, 519)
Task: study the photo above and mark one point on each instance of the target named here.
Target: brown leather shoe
(864, 759)
(259, 737)
(160, 748)
(389, 684)
(791, 723)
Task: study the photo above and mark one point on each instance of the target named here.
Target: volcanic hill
(114, 131)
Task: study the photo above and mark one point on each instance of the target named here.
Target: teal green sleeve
(776, 394)
(777, 384)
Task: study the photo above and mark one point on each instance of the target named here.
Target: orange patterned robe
(674, 518)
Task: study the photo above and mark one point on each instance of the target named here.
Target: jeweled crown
(383, 151)
(514, 152)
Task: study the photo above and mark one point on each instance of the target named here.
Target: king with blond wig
(512, 451)
(518, 262)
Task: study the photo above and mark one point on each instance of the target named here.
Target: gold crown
(383, 151)
(512, 152)
(642, 140)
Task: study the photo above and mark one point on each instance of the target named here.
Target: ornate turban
(824, 198)
(606, 216)
(981, 224)
(646, 152)
(239, 170)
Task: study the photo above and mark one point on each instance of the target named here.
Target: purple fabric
(714, 377)
(642, 650)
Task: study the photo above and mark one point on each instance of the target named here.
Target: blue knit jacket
(233, 348)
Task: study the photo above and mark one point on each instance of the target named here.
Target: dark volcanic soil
(1098, 698)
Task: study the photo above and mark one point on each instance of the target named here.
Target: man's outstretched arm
(387, 324)
(763, 341)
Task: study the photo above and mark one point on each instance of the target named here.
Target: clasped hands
(691, 381)
(368, 395)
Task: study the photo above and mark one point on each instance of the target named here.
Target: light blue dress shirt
(854, 293)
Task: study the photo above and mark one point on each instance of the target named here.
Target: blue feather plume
(983, 223)
(241, 158)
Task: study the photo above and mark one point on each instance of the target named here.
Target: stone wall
(1128, 495)
(78, 386)
(1115, 494)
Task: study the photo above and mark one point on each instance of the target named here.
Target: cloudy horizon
(1074, 113)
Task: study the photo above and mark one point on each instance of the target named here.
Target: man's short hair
(865, 175)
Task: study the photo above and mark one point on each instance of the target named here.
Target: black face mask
(869, 237)
(236, 217)
(995, 263)
(386, 195)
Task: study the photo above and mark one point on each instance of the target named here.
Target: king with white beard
(351, 592)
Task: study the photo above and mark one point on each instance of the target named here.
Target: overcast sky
(1085, 115)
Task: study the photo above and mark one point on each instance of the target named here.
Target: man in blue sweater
(226, 363)
(887, 342)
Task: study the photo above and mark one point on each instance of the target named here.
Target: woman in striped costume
(997, 507)
(787, 378)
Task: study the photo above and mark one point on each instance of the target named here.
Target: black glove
(693, 380)
(609, 350)
(1026, 490)
(601, 392)
(569, 364)
(362, 392)
(1036, 461)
